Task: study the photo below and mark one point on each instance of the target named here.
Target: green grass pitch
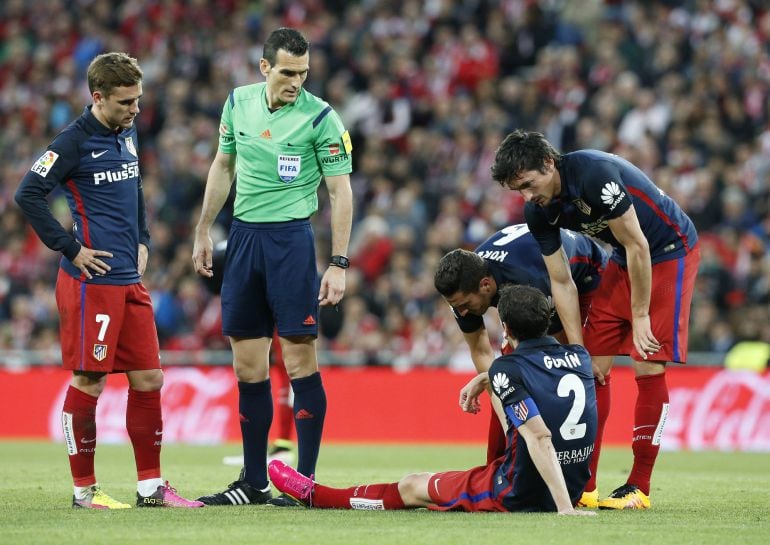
(698, 498)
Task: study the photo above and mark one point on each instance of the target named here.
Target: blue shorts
(270, 280)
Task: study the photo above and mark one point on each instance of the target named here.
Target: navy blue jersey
(555, 381)
(98, 169)
(598, 186)
(514, 257)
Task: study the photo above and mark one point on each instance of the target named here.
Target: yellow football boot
(627, 496)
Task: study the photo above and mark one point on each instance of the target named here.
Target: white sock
(266, 489)
(81, 492)
(148, 487)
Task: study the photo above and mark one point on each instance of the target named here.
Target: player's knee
(150, 380)
(406, 487)
(251, 371)
(89, 383)
(646, 368)
(299, 356)
(413, 489)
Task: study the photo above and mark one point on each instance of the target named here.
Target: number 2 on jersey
(570, 428)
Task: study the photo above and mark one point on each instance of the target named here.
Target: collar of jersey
(93, 123)
(536, 343)
(282, 108)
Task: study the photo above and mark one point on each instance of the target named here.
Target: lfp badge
(289, 167)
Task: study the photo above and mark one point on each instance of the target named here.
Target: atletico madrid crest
(100, 352)
(130, 146)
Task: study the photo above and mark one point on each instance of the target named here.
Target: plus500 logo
(128, 171)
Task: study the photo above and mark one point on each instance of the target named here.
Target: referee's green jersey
(281, 155)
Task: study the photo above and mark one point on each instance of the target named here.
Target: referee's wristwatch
(340, 261)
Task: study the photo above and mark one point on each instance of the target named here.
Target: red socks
(603, 402)
(284, 410)
(144, 424)
(649, 418)
(79, 426)
(366, 496)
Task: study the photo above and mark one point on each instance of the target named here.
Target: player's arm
(341, 199)
(31, 196)
(143, 251)
(538, 438)
(628, 232)
(481, 350)
(483, 355)
(565, 294)
(218, 183)
(563, 289)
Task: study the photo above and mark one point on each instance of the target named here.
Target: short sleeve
(470, 323)
(333, 147)
(226, 130)
(508, 386)
(603, 189)
(548, 236)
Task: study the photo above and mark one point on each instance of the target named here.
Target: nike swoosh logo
(158, 432)
(435, 485)
(84, 440)
(555, 219)
(640, 427)
(97, 155)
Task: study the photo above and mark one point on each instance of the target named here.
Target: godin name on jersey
(570, 360)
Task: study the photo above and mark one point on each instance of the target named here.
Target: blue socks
(255, 405)
(309, 414)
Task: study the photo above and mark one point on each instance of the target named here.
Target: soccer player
(285, 140)
(470, 282)
(106, 316)
(547, 391)
(643, 306)
(283, 447)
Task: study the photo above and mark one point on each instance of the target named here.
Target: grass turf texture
(697, 498)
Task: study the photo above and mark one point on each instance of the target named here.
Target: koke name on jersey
(127, 172)
(494, 255)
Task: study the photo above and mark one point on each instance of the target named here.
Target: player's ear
(506, 333)
(264, 66)
(485, 284)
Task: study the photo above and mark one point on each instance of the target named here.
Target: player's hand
(577, 512)
(89, 259)
(203, 252)
(332, 286)
(644, 341)
(598, 375)
(141, 259)
(469, 394)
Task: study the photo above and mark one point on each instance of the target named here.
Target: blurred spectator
(428, 90)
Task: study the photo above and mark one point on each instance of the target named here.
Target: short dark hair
(522, 151)
(525, 310)
(289, 40)
(110, 70)
(459, 270)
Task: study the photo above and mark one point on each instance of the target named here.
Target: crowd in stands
(428, 89)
